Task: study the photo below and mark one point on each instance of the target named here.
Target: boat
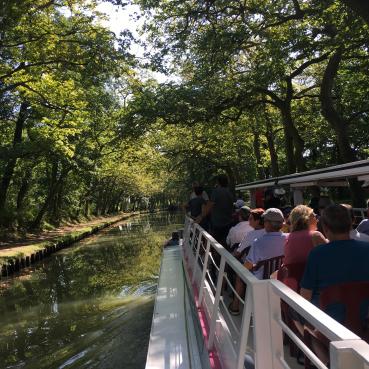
(192, 327)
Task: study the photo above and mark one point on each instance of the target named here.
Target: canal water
(88, 306)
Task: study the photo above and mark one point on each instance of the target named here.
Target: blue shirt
(268, 246)
(336, 262)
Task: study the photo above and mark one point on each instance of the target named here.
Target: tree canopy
(254, 89)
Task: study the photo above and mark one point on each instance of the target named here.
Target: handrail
(262, 303)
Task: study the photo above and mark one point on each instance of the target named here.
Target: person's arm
(248, 265)
(252, 257)
(307, 294)
(318, 239)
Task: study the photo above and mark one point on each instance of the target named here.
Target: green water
(88, 306)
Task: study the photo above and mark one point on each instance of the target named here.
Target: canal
(88, 306)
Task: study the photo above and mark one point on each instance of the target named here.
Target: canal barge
(192, 327)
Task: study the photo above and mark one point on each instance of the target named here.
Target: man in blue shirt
(339, 261)
(271, 244)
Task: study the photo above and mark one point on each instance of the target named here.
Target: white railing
(232, 337)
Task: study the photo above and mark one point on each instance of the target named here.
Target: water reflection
(89, 306)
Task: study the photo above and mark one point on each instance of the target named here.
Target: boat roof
(336, 175)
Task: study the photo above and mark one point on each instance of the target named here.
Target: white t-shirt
(249, 238)
(238, 232)
(355, 235)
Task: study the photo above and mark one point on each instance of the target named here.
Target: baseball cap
(245, 210)
(239, 203)
(273, 215)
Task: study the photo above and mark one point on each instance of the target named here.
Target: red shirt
(297, 247)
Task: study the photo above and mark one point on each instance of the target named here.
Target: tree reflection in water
(90, 305)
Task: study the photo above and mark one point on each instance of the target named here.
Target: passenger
(174, 241)
(193, 193)
(271, 200)
(257, 223)
(220, 209)
(286, 214)
(303, 237)
(324, 201)
(339, 261)
(195, 206)
(354, 233)
(241, 229)
(315, 197)
(363, 227)
(271, 244)
(267, 246)
(237, 206)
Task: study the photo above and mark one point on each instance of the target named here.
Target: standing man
(220, 208)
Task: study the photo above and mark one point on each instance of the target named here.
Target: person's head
(195, 184)
(273, 220)
(302, 218)
(222, 180)
(175, 236)
(351, 212)
(336, 221)
(238, 204)
(256, 218)
(198, 190)
(244, 214)
(324, 201)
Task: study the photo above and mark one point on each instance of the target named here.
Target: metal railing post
(267, 336)
(204, 270)
(245, 328)
(349, 354)
(214, 315)
(194, 269)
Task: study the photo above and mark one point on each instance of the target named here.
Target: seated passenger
(354, 233)
(271, 244)
(363, 227)
(339, 261)
(286, 224)
(256, 222)
(236, 207)
(241, 229)
(303, 237)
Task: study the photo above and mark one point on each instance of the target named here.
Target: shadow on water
(89, 306)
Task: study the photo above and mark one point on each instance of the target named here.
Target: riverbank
(17, 255)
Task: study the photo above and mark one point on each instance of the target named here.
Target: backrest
(270, 265)
(354, 298)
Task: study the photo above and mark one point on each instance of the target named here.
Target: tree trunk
(22, 192)
(10, 166)
(272, 151)
(259, 165)
(338, 122)
(55, 182)
(298, 142)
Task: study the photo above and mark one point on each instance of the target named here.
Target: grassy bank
(14, 258)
